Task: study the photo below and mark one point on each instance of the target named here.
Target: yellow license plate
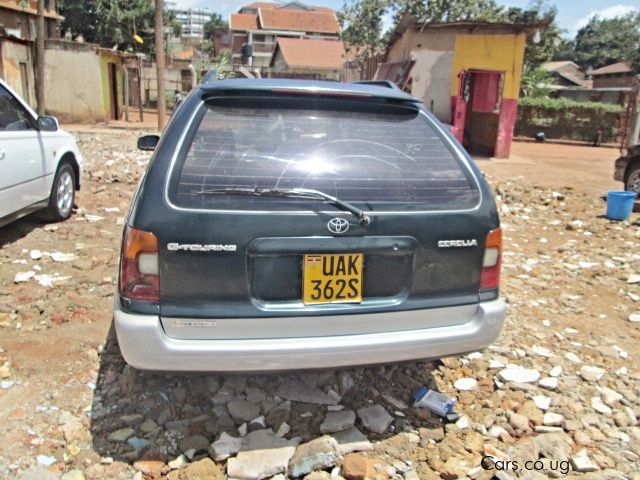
(329, 278)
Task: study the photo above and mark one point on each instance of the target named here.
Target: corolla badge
(338, 225)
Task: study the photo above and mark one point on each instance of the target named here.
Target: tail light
(139, 278)
(490, 277)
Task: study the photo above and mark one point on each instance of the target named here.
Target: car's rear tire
(632, 180)
(63, 194)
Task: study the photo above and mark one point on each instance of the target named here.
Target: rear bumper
(619, 169)
(145, 345)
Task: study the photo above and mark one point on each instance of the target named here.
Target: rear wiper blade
(362, 217)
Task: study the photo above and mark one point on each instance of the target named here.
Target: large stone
(73, 430)
(151, 468)
(375, 418)
(358, 467)
(520, 423)
(554, 446)
(352, 440)
(519, 374)
(121, 435)
(591, 374)
(317, 454)
(337, 421)
(200, 470)
(243, 411)
(224, 447)
(530, 410)
(73, 475)
(194, 442)
(582, 463)
(263, 454)
(298, 391)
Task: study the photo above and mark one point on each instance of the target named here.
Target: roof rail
(379, 83)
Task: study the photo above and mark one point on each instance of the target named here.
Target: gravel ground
(556, 396)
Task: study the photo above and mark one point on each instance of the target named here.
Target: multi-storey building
(257, 27)
(192, 20)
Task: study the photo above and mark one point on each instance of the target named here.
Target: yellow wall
(490, 52)
(105, 59)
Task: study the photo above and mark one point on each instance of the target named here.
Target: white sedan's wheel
(63, 194)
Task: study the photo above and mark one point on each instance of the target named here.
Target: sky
(572, 14)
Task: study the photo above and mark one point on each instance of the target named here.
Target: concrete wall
(432, 52)
(107, 58)
(172, 82)
(12, 54)
(73, 89)
(504, 53)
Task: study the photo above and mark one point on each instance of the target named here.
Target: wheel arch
(70, 158)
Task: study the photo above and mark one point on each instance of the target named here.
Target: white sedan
(40, 165)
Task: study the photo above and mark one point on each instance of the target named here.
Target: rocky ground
(557, 396)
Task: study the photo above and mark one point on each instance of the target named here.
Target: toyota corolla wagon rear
(293, 224)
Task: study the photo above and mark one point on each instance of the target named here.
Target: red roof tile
(310, 53)
(243, 21)
(320, 21)
(620, 67)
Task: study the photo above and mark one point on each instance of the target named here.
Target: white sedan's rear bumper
(145, 345)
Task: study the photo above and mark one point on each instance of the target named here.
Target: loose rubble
(561, 384)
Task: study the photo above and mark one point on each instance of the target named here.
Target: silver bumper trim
(144, 345)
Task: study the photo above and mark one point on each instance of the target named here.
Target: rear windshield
(379, 157)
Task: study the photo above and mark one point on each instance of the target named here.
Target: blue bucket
(619, 204)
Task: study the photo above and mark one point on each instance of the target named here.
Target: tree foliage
(215, 22)
(450, 10)
(535, 82)
(112, 23)
(362, 21)
(362, 27)
(605, 41)
(542, 48)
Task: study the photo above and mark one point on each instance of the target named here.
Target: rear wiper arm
(362, 217)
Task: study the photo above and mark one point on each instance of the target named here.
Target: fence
(366, 70)
(566, 119)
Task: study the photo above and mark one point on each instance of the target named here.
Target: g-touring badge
(196, 247)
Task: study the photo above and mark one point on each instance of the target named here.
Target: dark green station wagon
(287, 224)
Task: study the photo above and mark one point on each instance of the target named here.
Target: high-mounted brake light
(139, 278)
(490, 277)
(324, 93)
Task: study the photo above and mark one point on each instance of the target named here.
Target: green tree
(535, 82)
(112, 22)
(565, 49)
(362, 19)
(362, 27)
(215, 23)
(450, 10)
(605, 41)
(543, 46)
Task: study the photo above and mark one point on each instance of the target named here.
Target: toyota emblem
(338, 225)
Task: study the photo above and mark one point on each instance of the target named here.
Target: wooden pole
(40, 34)
(160, 67)
(140, 89)
(126, 93)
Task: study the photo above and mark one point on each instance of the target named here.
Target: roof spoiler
(210, 76)
(379, 83)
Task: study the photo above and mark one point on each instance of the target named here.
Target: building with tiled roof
(618, 74)
(257, 28)
(567, 74)
(309, 57)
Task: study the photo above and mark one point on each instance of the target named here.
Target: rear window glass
(379, 157)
